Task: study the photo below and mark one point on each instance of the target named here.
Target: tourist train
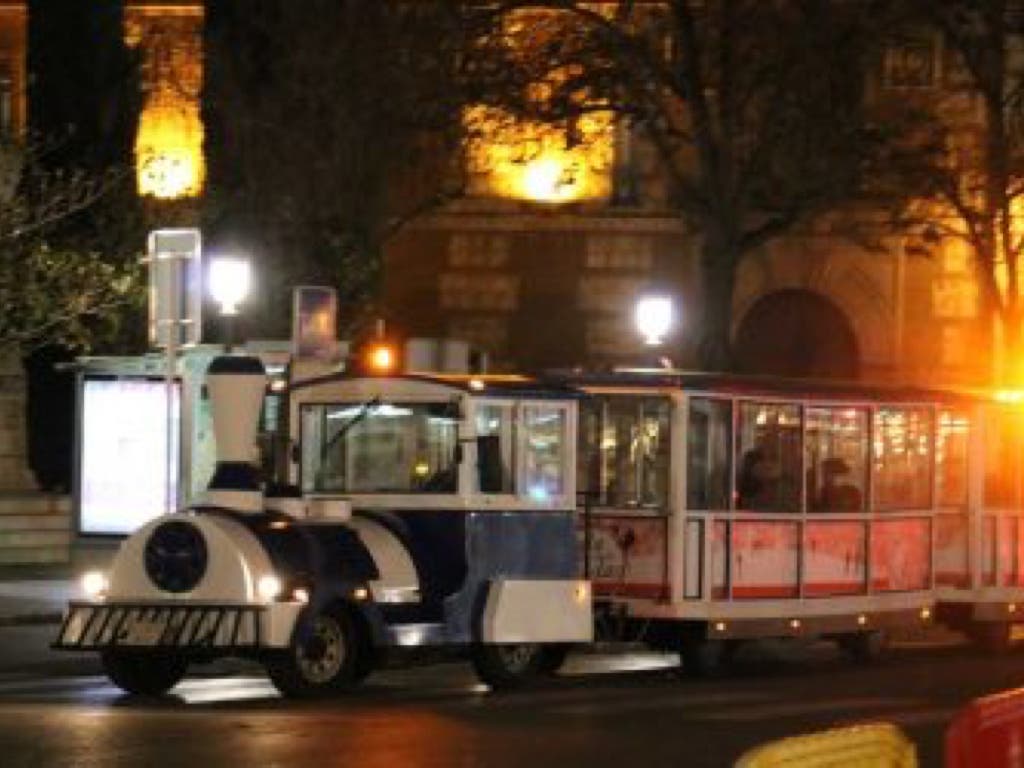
(510, 519)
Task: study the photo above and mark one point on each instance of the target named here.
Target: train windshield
(380, 447)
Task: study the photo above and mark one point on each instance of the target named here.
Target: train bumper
(222, 628)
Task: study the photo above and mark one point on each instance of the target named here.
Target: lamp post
(654, 317)
(229, 280)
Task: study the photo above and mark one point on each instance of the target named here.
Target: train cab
(412, 511)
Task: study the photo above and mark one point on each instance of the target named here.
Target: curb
(31, 619)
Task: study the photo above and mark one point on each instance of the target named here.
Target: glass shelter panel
(903, 458)
(769, 457)
(836, 443)
(951, 446)
(544, 446)
(708, 454)
(379, 448)
(495, 448)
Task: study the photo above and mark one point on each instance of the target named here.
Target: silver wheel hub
(517, 658)
(322, 656)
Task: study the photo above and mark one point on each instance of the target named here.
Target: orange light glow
(381, 358)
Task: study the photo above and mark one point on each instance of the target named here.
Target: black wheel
(143, 673)
(705, 658)
(552, 657)
(504, 667)
(321, 661)
(863, 647)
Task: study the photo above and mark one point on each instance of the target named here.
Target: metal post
(174, 321)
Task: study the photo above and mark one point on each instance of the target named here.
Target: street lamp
(229, 280)
(654, 316)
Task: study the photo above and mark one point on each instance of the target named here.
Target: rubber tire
(863, 647)
(494, 667)
(286, 671)
(702, 658)
(143, 673)
(553, 657)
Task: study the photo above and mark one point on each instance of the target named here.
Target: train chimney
(235, 384)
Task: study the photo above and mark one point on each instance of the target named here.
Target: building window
(461, 290)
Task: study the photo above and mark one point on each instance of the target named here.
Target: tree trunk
(718, 277)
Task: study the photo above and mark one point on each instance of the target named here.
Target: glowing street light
(229, 280)
(654, 316)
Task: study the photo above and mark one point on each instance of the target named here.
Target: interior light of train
(360, 593)
(926, 613)
(794, 624)
(384, 410)
(862, 620)
(421, 469)
(720, 626)
(300, 595)
(476, 385)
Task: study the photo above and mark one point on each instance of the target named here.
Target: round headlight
(175, 556)
(94, 584)
(268, 587)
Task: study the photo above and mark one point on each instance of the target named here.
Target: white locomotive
(420, 511)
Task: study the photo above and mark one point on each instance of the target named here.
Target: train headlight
(95, 584)
(268, 587)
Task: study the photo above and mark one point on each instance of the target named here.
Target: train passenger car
(719, 509)
(417, 511)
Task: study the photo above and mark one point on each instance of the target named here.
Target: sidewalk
(35, 594)
(38, 594)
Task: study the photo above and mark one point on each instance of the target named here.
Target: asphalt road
(619, 710)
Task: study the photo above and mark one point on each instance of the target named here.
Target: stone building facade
(541, 262)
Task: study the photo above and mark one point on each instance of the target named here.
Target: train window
(1002, 453)
(544, 446)
(768, 457)
(628, 451)
(708, 454)
(951, 458)
(903, 458)
(379, 447)
(836, 444)
(495, 448)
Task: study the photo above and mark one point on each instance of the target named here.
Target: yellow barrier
(860, 746)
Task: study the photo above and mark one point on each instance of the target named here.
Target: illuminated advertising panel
(124, 480)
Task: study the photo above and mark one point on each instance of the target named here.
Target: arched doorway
(799, 333)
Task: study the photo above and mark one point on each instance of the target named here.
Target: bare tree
(329, 124)
(977, 185)
(757, 111)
